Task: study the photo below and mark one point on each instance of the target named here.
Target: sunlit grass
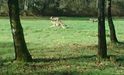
(70, 51)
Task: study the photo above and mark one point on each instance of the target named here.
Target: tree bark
(25, 13)
(102, 47)
(113, 37)
(21, 51)
(25, 5)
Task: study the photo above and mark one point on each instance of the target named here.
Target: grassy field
(57, 51)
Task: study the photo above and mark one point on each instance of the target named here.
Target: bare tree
(102, 47)
(21, 51)
(113, 37)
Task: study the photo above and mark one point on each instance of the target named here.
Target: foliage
(62, 7)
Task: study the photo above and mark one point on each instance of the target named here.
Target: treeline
(61, 7)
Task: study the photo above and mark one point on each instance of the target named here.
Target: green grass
(57, 51)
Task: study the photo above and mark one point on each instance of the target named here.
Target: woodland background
(61, 7)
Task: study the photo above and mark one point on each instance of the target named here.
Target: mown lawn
(57, 51)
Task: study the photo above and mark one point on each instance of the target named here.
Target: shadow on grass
(121, 43)
(116, 46)
(9, 46)
(6, 44)
(86, 57)
(120, 58)
(58, 73)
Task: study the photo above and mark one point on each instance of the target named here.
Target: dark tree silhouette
(21, 51)
(113, 37)
(102, 47)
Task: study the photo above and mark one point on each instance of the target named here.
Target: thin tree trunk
(25, 13)
(21, 51)
(113, 37)
(1, 2)
(102, 47)
(25, 5)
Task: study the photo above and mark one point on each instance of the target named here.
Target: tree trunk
(102, 47)
(21, 51)
(25, 13)
(25, 5)
(1, 2)
(113, 37)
